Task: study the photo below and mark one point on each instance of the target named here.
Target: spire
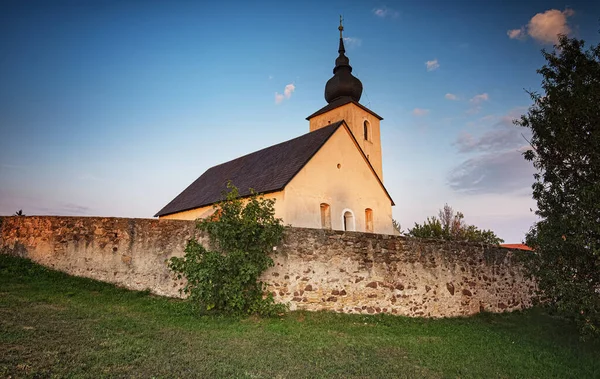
(343, 82)
(342, 59)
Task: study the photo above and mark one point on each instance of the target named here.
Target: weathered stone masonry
(314, 269)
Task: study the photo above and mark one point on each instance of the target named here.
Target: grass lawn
(54, 325)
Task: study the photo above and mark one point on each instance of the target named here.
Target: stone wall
(314, 269)
(128, 252)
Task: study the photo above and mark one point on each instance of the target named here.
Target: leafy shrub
(242, 235)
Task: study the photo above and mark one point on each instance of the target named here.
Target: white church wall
(337, 175)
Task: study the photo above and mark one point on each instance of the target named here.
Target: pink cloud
(287, 93)
(477, 99)
(517, 33)
(545, 27)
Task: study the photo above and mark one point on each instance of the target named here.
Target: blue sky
(112, 108)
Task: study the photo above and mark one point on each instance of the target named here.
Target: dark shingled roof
(338, 103)
(266, 170)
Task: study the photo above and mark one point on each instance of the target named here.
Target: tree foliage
(397, 226)
(565, 127)
(452, 227)
(242, 235)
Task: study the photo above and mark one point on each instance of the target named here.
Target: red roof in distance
(517, 246)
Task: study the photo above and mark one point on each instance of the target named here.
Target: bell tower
(342, 93)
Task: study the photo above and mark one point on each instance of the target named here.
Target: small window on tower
(366, 130)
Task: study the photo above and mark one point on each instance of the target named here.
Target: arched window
(348, 220)
(325, 216)
(366, 130)
(369, 220)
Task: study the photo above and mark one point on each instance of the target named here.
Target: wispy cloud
(502, 134)
(451, 96)
(483, 121)
(11, 201)
(432, 65)
(419, 112)
(499, 173)
(517, 33)
(352, 41)
(476, 102)
(287, 93)
(478, 99)
(72, 209)
(61, 209)
(545, 27)
(384, 12)
(493, 140)
(498, 165)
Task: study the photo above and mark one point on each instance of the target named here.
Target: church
(329, 178)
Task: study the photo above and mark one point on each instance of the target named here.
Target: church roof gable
(265, 171)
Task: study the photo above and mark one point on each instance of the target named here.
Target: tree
(397, 227)
(242, 235)
(565, 150)
(452, 227)
(19, 213)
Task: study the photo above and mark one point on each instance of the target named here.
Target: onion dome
(343, 83)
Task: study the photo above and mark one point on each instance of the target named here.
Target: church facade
(329, 178)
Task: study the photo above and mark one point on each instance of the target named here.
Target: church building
(329, 178)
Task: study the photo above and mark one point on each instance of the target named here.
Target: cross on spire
(341, 27)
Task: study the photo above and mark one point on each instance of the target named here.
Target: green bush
(242, 235)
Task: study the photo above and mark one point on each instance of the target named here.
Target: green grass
(54, 325)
